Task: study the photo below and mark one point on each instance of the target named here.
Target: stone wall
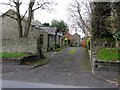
(102, 43)
(19, 45)
(10, 37)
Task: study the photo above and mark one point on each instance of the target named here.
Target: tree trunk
(19, 28)
(19, 19)
(117, 44)
(30, 16)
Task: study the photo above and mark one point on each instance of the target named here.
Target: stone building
(10, 36)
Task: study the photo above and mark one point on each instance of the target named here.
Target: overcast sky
(60, 12)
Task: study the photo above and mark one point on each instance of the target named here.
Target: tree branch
(10, 16)
(41, 5)
(7, 4)
(24, 14)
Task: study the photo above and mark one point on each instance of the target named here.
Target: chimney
(75, 31)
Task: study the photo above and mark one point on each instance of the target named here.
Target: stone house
(10, 36)
(51, 36)
(74, 40)
(60, 38)
(50, 40)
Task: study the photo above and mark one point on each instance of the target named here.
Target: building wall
(11, 41)
(45, 41)
(0, 34)
(9, 28)
(19, 45)
(51, 41)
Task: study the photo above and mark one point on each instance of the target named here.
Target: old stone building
(10, 36)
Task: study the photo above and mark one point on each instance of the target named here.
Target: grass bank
(110, 54)
(12, 54)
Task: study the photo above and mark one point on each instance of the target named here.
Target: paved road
(70, 66)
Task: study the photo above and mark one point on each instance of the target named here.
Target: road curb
(99, 77)
(104, 79)
(44, 63)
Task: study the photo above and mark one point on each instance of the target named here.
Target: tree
(60, 25)
(41, 4)
(106, 20)
(101, 11)
(116, 21)
(32, 6)
(16, 15)
(80, 15)
(46, 24)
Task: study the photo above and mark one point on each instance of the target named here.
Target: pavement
(69, 67)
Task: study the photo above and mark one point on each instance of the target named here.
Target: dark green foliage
(56, 46)
(61, 25)
(101, 11)
(46, 24)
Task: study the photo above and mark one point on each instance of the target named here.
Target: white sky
(60, 12)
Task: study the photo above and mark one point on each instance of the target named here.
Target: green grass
(40, 62)
(110, 54)
(12, 54)
(73, 51)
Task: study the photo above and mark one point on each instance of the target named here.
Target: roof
(76, 35)
(49, 30)
(36, 23)
(33, 22)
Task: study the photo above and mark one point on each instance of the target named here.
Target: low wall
(19, 45)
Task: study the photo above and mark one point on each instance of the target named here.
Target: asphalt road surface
(70, 66)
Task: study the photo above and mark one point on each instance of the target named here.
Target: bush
(56, 46)
(87, 43)
(51, 48)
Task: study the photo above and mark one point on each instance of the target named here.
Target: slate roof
(36, 23)
(49, 30)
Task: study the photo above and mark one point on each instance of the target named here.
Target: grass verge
(109, 54)
(40, 62)
(12, 54)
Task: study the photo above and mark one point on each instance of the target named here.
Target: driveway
(70, 66)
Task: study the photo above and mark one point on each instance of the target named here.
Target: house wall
(9, 28)
(45, 41)
(11, 41)
(51, 41)
(19, 45)
(0, 34)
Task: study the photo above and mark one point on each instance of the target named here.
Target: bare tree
(32, 6)
(15, 4)
(35, 5)
(80, 15)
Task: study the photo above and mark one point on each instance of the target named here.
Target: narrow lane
(70, 66)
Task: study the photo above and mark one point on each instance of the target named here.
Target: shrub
(56, 46)
(88, 43)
